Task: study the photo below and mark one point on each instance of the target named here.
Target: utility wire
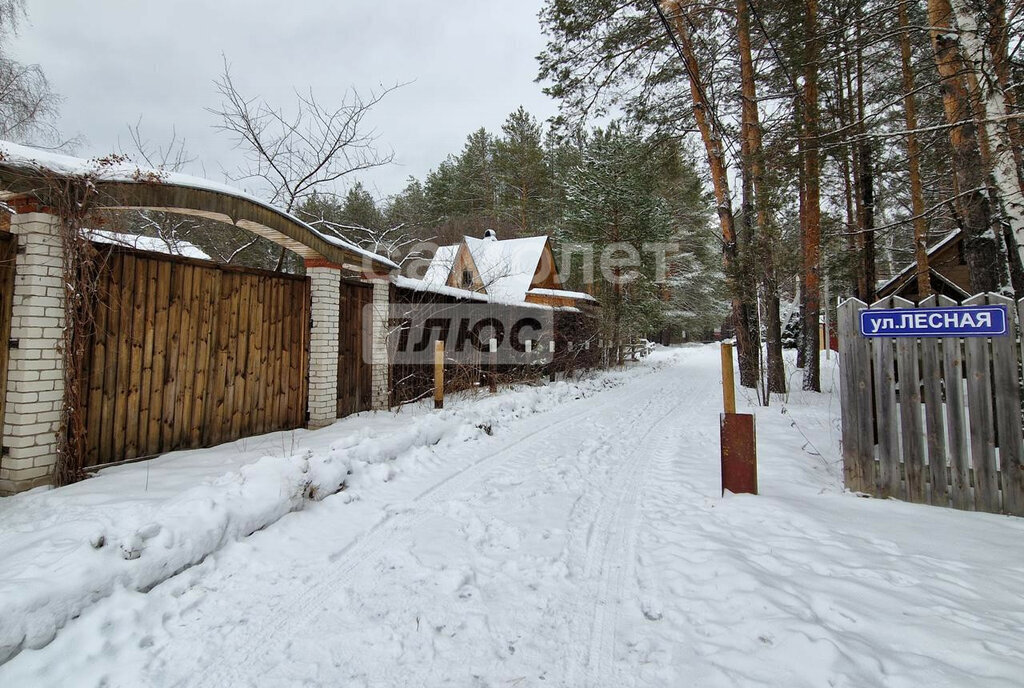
(694, 79)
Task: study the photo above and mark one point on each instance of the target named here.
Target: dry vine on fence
(70, 199)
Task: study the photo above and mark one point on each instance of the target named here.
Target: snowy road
(583, 546)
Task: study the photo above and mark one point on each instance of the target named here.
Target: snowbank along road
(583, 546)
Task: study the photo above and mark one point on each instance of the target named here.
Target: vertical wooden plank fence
(190, 354)
(934, 419)
(354, 371)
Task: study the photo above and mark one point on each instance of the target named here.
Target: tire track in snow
(611, 548)
(295, 609)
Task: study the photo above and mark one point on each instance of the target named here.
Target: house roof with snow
(121, 184)
(440, 266)
(947, 272)
(422, 287)
(507, 268)
(506, 271)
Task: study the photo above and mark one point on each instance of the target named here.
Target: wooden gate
(8, 250)
(933, 420)
(191, 354)
(354, 371)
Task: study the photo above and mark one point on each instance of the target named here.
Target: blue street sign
(958, 321)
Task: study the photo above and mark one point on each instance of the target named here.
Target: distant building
(947, 272)
(510, 271)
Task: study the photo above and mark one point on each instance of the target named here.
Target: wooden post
(492, 377)
(739, 453)
(728, 385)
(855, 387)
(827, 332)
(439, 374)
(551, 366)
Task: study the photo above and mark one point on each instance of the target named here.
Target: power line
(695, 80)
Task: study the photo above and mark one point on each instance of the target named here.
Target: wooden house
(507, 271)
(947, 272)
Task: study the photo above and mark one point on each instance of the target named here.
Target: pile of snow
(135, 526)
(586, 546)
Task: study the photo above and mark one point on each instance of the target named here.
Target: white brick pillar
(325, 285)
(379, 345)
(35, 377)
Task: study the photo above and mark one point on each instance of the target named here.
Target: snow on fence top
(575, 295)
(148, 243)
(424, 286)
(17, 162)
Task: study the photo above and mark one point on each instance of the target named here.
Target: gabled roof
(507, 267)
(440, 266)
(909, 270)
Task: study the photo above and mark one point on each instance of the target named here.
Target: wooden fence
(354, 370)
(192, 354)
(933, 420)
(573, 330)
(8, 249)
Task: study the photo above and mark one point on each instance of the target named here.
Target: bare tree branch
(309, 148)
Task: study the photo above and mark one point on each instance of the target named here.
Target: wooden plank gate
(932, 419)
(8, 251)
(188, 354)
(354, 369)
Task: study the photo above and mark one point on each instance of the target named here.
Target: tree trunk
(997, 39)
(846, 152)
(924, 282)
(981, 250)
(800, 299)
(994, 135)
(744, 310)
(753, 156)
(860, 238)
(811, 234)
(866, 168)
(866, 184)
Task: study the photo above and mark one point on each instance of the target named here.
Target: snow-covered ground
(567, 535)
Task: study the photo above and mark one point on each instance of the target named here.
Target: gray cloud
(470, 63)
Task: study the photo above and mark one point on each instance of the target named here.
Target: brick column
(35, 377)
(323, 343)
(379, 345)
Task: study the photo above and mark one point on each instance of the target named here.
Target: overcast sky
(471, 62)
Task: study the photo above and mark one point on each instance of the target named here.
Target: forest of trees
(852, 133)
(790, 151)
(602, 195)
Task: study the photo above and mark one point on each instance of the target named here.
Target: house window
(467, 278)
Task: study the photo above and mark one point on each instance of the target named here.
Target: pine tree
(522, 173)
(360, 209)
(475, 180)
(614, 208)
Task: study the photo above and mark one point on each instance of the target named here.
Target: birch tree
(993, 124)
